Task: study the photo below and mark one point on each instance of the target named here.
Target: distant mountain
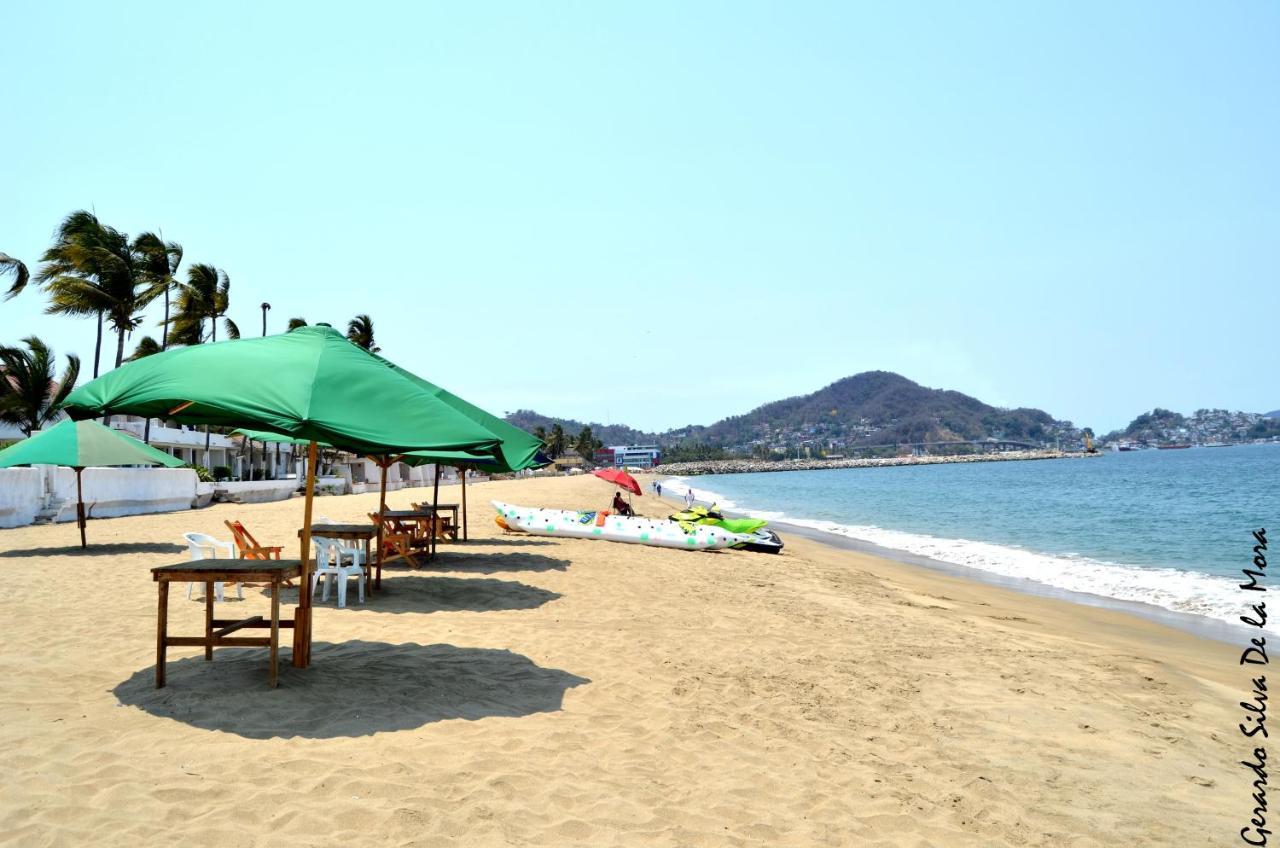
(880, 407)
(610, 434)
(1275, 413)
(871, 408)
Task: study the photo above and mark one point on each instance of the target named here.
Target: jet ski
(760, 540)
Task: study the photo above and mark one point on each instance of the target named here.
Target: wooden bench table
(217, 630)
(353, 533)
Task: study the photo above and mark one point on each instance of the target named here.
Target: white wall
(258, 491)
(21, 495)
(110, 492)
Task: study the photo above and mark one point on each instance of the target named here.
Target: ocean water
(1169, 528)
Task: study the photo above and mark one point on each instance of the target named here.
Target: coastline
(542, 691)
(754, 466)
(1200, 604)
(1197, 625)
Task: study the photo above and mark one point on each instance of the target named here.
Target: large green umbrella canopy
(311, 383)
(80, 445)
(517, 450)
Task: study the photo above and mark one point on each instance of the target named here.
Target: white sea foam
(1170, 588)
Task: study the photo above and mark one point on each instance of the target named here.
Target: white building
(187, 443)
(630, 456)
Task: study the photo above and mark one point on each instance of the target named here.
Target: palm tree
(160, 266)
(21, 276)
(68, 270)
(93, 269)
(360, 331)
(295, 323)
(556, 441)
(266, 307)
(29, 394)
(205, 295)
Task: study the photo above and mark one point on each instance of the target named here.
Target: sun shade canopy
(83, 444)
(310, 384)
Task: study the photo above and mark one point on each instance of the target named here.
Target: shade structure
(311, 383)
(619, 478)
(495, 460)
(80, 445)
(516, 450)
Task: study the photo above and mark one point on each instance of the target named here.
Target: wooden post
(80, 508)
(382, 507)
(463, 472)
(435, 514)
(273, 676)
(302, 618)
(162, 632)
(208, 621)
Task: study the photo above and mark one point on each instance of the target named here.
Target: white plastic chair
(207, 547)
(346, 550)
(329, 562)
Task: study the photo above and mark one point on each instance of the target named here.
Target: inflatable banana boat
(615, 528)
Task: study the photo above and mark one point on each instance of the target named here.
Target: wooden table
(420, 518)
(438, 508)
(353, 533)
(273, 572)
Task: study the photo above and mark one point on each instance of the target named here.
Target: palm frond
(21, 275)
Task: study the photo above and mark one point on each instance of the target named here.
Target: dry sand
(564, 692)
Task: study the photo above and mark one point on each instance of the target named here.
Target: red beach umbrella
(619, 478)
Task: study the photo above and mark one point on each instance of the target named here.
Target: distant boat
(1173, 447)
(1127, 446)
(1217, 444)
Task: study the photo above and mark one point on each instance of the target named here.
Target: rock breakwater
(749, 466)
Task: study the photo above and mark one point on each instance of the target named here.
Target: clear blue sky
(672, 212)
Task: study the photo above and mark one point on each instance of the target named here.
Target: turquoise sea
(1170, 528)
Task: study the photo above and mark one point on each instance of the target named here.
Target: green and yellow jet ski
(762, 541)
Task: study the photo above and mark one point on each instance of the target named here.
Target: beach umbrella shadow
(99, 549)
(353, 689)
(418, 593)
(477, 563)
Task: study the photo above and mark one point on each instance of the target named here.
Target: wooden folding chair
(248, 548)
(440, 525)
(396, 540)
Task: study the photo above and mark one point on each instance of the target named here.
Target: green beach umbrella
(311, 383)
(516, 451)
(80, 445)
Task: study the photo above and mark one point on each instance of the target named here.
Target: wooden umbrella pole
(463, 472)
(382, 507)
(302, 618)
(435, 511)
(80, 508)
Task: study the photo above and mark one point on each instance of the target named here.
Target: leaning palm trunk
(97, 347)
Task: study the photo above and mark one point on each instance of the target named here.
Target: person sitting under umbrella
(621, 507)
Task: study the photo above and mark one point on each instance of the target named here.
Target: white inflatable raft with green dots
(614, 528)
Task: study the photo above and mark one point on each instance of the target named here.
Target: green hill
(871, 408)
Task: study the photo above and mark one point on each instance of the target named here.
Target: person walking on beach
(657, 487)
(688, 498)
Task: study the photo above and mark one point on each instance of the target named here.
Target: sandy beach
(529, 691)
